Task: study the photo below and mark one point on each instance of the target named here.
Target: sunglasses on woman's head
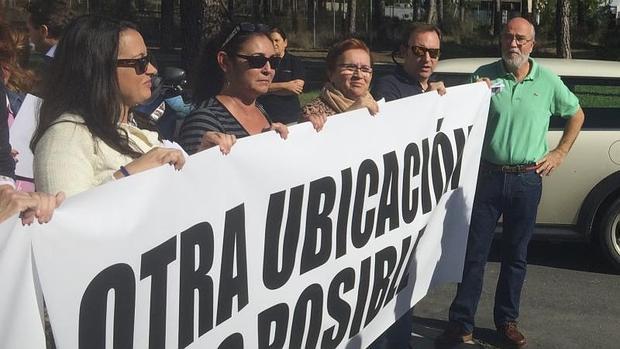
(139, 64)
(257, 62)
(245, 27)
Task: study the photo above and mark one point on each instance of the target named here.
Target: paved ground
(571, 299)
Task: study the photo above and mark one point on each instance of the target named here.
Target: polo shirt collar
(530, 76)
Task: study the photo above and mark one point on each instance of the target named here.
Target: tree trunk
(352, 8)
(378, 16)
(125, 10)
(294, 16)
(200, 20)
(439, 12)
(431, 12)
(581, 13)
(256, 10)
(563, 29)
(497, 18)
(166, 29)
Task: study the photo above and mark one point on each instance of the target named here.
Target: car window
(599, 98)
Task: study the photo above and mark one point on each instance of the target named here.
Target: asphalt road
(571, 299)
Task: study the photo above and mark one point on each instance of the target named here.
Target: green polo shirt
(519, 114)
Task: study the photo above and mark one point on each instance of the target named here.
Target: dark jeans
(516, 196)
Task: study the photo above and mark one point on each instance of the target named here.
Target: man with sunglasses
(420, 50)
(514, 158)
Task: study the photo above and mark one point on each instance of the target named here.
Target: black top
(7, 164)
(396, 85)
(285, 109)
(211, 115)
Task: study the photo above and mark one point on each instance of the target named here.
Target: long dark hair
(82, 80)
(209, 78)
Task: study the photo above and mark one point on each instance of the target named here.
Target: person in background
(30, 206)
(514, 158)
(420, 48)
(17, 79)
(235, 68)
(349, 72)
(18, 82)
(46, 22)
(282, 102)
(85, 136)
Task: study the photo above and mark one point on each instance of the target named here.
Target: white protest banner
(21, 133)
(21, 324)
(320, 240)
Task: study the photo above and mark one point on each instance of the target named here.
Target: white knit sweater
(68, 158)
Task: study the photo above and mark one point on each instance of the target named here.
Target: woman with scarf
(349, 72)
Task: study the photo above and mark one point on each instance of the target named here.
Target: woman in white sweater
(85, 136)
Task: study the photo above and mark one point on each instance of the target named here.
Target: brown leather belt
(521, 168)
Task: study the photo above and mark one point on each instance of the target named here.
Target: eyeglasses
(520, 39)
(421, 51)
(352, 68)
(139, 64)
(258, 61)
(244, 27)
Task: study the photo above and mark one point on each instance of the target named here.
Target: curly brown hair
(12, 44)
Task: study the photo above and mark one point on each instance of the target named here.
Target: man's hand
(550, 162)
(555, 157)
(437, 86)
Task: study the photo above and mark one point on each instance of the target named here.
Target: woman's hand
(317, 121)
(44, 208)
(295, 86)
(223, 140)
(367, 102)
(281, 129)
(30, 205)
(154, 158)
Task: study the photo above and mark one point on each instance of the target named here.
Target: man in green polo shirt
(514, 158)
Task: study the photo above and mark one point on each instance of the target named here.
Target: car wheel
(609, 234)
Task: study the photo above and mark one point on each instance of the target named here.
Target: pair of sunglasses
(139, 64)
(421, 51)
(257, 62)
(244, 27)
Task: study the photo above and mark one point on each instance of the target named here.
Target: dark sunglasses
(245, 27)
(421, 51)
(257, 62)
(139, 64)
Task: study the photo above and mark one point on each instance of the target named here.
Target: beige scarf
(335, 99)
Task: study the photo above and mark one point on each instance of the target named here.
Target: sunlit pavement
(570, 300)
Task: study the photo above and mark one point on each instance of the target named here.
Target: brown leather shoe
(452, 336)
(511, 335)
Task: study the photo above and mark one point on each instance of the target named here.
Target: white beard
(513, 62)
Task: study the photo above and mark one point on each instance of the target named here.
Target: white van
(581, 199)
